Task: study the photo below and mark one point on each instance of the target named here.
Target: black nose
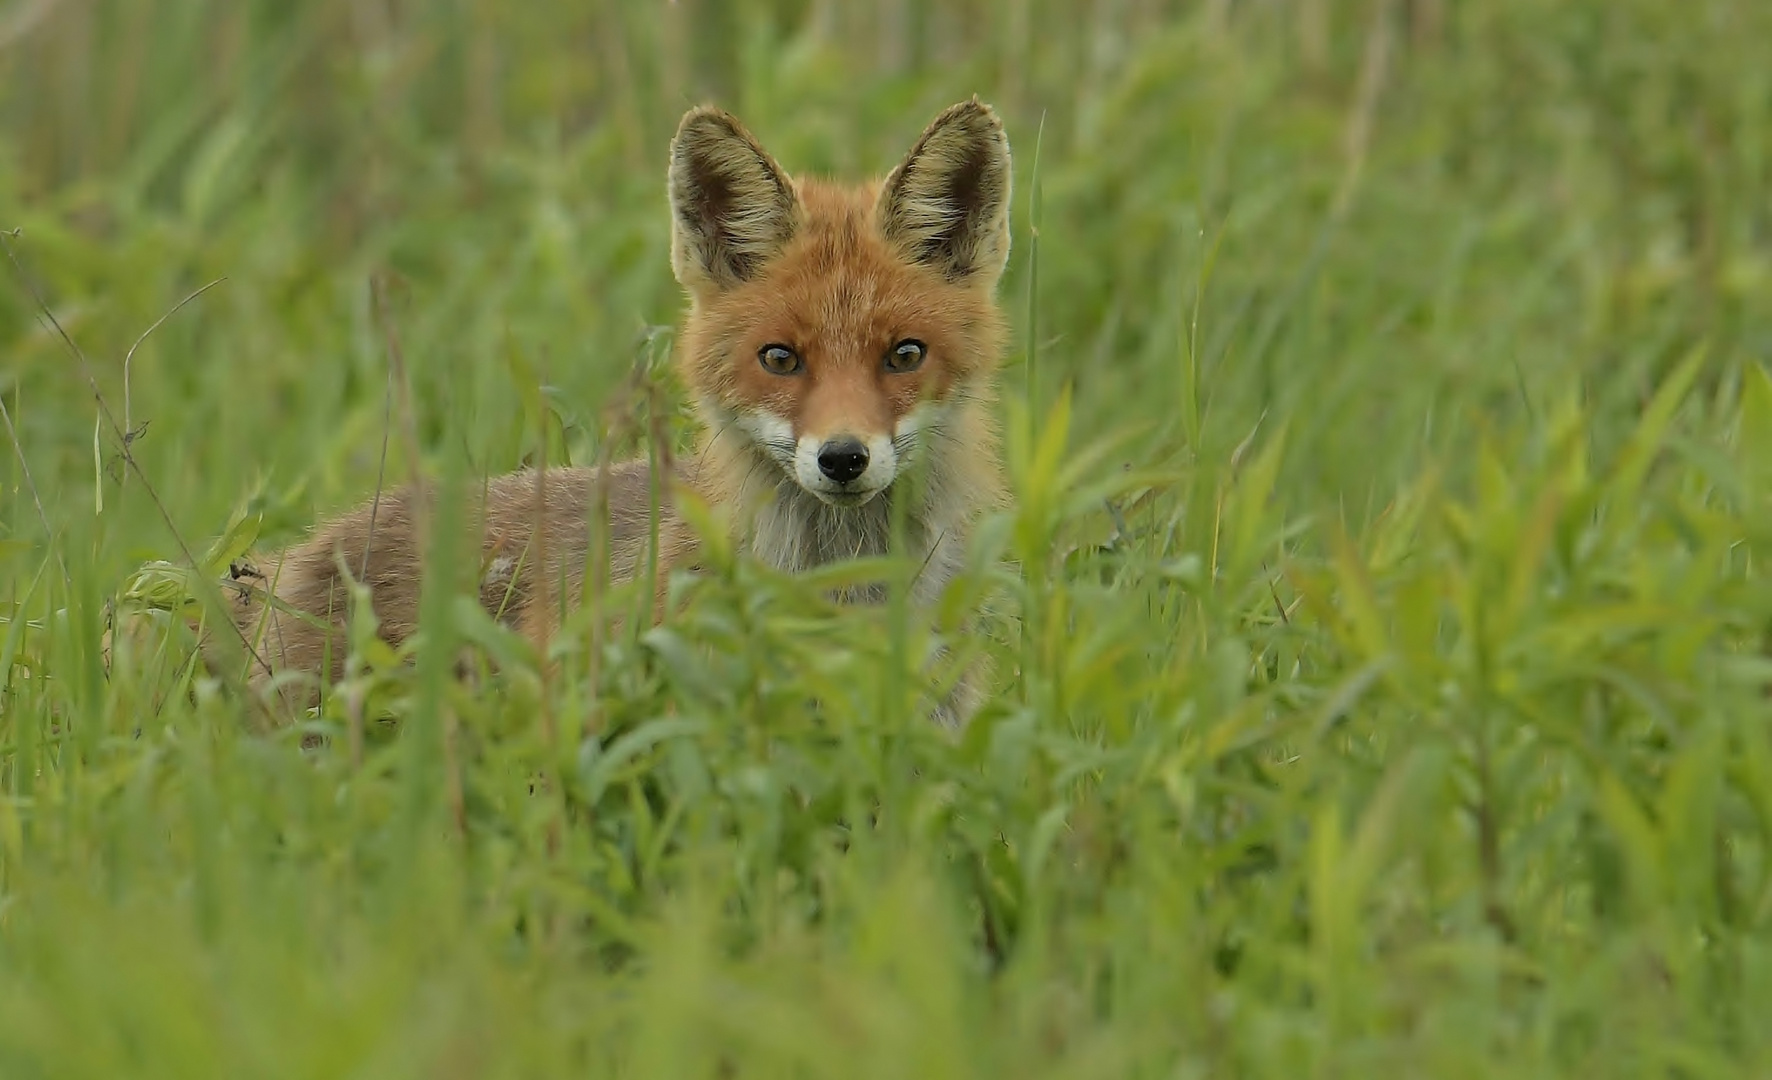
(843, 459)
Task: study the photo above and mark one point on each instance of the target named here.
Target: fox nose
(843, 458)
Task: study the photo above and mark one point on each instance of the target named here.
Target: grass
(1383, 686)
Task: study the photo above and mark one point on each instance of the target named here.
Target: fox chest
(797, 533)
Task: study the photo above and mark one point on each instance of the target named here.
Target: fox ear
(732, 207)
(947, 203)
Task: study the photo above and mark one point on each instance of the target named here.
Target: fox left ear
(947, 203)
(732, 206)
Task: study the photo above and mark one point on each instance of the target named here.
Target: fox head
(836, 329)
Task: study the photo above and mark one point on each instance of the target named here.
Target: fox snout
(845, 469)
(843, 459)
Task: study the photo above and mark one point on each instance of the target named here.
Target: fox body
(837, 337)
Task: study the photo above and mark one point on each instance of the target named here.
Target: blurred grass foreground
(1382, 643)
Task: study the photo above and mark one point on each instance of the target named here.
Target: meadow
(1382, 652)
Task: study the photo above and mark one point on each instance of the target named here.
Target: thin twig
(538, 535)
(381, 472)
(1274, 592)
(545, 622)
(128, 423)
(211, 592)
(409, 427)
(25, 467)
(420, 514)
(596, 575)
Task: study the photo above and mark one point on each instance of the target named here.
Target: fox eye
(907, 355)
(779, 360)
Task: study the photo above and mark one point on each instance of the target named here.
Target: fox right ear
(732, 207)
(947, 203)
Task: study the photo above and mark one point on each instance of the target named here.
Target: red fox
(836, 336)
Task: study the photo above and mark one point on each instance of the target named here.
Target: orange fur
(838, 276)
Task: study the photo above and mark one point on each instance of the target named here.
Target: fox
(835, 337)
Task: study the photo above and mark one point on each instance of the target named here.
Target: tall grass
(1381, 644)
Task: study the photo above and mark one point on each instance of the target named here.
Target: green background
(1381, 642)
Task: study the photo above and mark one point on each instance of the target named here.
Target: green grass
(1382, 677)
